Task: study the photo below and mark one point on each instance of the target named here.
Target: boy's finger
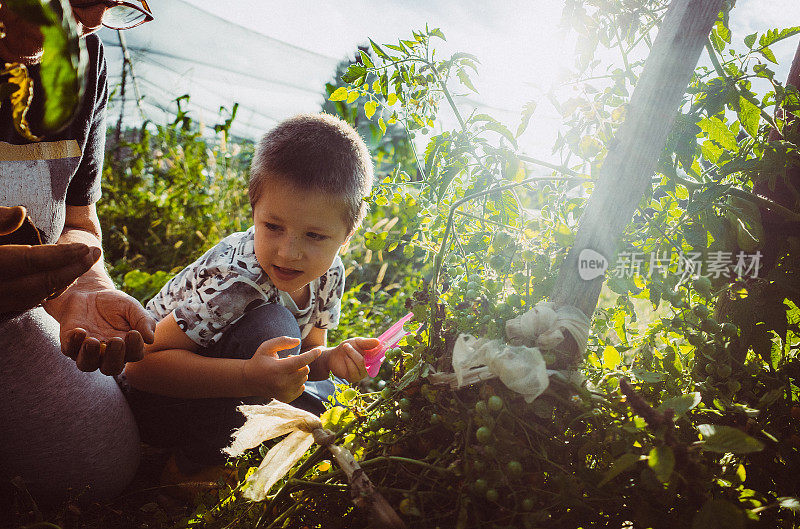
(293, 363)
(357, 362)
(365, 344)
(272, 346)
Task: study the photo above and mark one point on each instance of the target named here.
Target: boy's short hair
(315, 152)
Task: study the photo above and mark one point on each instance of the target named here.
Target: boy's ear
(343, 248)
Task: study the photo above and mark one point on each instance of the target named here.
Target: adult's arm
(101, 327)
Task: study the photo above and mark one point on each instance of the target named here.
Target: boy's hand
(267, 375)
(346, 360)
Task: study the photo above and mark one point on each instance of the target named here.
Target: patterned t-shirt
(227, 281)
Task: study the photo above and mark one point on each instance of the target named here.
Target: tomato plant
(683, 413)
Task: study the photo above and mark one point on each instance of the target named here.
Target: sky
(519, 43)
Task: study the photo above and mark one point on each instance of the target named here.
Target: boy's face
(297, 234)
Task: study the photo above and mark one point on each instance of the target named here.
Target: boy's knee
(255, 327)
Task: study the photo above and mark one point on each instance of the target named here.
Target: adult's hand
(104, 329)
(31, 274)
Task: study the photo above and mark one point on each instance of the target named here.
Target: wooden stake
(626, 173)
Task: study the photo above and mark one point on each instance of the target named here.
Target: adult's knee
(254, 328)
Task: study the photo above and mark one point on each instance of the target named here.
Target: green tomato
(729, 330)
(710, 369)
(481, 485)
(696, 340)
(527, 504)
(724, 371)
(480, 407)
(471, 294)
(701, 311)
(492, 495)
(497, 262)
(495, 403)
(710, 326)
(349, 394)
(386, 392)
(514, 468)
(405, 404)
(702, 285)
(435, 418)
(733, 386)
(483, 435)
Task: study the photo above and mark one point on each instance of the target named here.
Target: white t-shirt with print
(216, 290)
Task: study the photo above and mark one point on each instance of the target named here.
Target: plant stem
(554, 167)
(712, 54)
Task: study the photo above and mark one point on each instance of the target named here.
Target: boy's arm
(172, 368)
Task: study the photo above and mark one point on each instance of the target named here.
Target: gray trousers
(65, 432)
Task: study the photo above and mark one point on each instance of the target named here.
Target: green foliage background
(686, 411)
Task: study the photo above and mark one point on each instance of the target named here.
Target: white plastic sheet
(520, 365)
(266, 422)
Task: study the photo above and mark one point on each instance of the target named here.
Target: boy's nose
(290, 249)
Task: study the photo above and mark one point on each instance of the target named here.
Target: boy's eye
(271, 227)
(316, 236)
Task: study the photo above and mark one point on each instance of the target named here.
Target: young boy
(248, 320)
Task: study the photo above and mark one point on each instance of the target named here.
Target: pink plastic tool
(374, 357)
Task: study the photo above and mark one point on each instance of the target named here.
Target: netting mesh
(226, 63)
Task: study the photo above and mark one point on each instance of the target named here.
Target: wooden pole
(626, 173)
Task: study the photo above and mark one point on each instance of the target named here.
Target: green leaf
(662, 461)
(774, 35)
(353, 73)
(681, 404)
(366, 60)
(465, 80)
(527, 112)
(611, 357)
(724, 439)
(716, 130)
(750, 40)
(335, 417)
(436, 32)
(767, 53)
(391, 100)
(340, 94)
(382, 125)
(620, 465)
(500, 128)
(749, 116)
(718, 514)
(369, 108)
(378, 50)
(63, 65)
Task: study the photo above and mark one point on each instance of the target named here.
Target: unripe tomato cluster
(714, 365)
